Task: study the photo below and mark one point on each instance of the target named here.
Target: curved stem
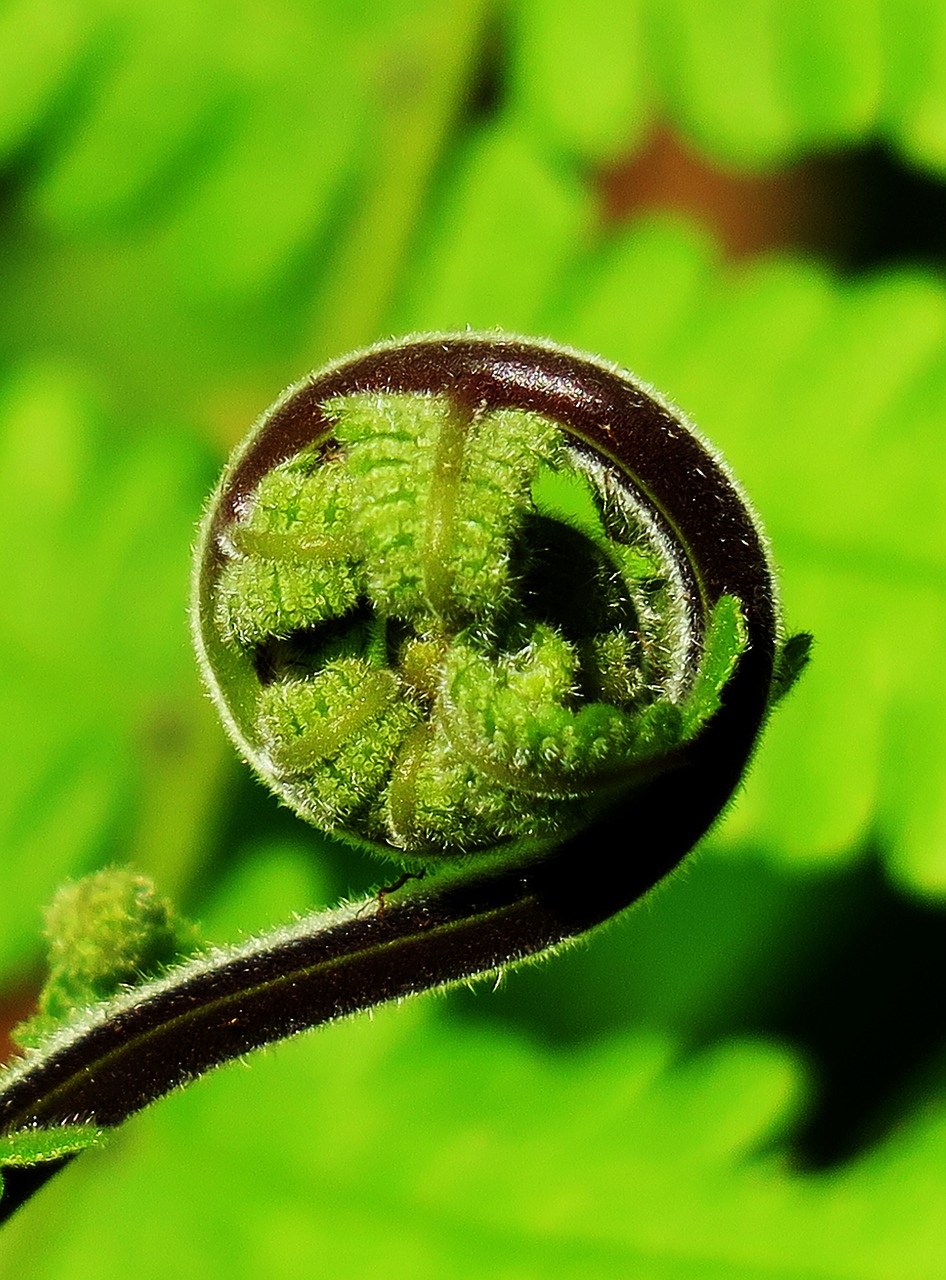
(215, 1009)
(489, 914)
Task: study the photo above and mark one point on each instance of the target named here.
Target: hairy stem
(213, 1010)
(495, 910)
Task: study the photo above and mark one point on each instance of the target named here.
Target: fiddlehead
(482, 604)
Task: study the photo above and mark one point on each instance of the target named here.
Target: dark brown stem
(488, 915)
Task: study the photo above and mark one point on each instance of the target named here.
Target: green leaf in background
(391, 1146)
(266, 884)
(578, 74)
(99, 702)
(41, 41)
(506, 225)
(195, 119)
(749, 82)
(211, 197)
(233, 134)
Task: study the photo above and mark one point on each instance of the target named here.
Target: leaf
(206, 99)
(747, 83)
(400, 1145)
(436, 497)
(503, 230)
(725, 642)
(107, 931)
(33, 1146)
(579, 75)
(229, 133)
(41, 41)
(99, 698)
(750, 83)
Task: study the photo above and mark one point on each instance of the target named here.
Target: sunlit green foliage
(98, 687)
(394, 1146)
(199, 202)
(751, 82)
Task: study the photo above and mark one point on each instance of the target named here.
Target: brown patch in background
(801, 205)
(14, 1007)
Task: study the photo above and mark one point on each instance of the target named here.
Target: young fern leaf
(451, 634)
(488, 607)
(25, 1148)
(109, 930)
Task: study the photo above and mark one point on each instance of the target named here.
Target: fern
(198, 203)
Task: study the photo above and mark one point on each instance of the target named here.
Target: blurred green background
(743, 201)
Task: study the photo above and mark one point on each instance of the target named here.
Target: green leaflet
(337, 737)
(792, 659)
(725, 640)
(34, 1146)
(438, 492)
(301, 516)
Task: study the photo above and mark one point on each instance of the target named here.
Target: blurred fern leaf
(748, 83)
(396, 1147)
(92, 631)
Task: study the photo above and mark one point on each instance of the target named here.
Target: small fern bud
(107, 931)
